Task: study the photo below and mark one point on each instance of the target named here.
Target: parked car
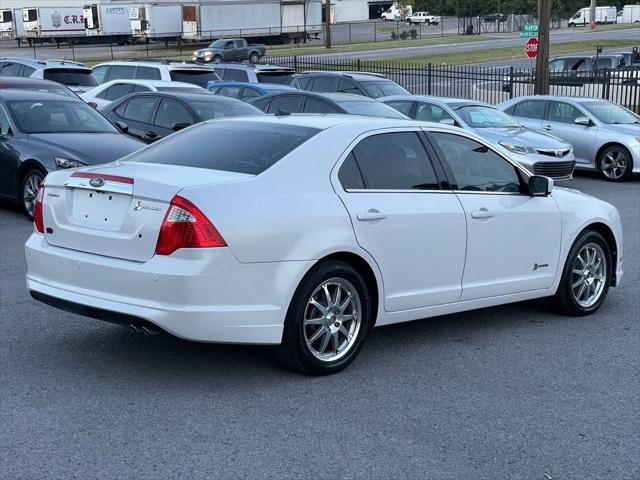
(423, 17)
(604, 135)
(22, 83)
(540, 153)
(242, 72)
(366, 84)
(630, 58)
(152, 116)
(42, 132)
(247, 91)
(107, 92)
(586, 63)
(308, 102)
(152, 69)
(230, 50)
(308, 231)
(73, 75)
(494, 18)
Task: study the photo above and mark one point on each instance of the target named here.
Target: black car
(366, 84)
(494, 17)
(155, 115)
(306, 102)
(42, 131)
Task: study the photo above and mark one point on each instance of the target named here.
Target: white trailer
(284, 19)
(629, 14)
(52, 23)
(111, 23)
(603, 15)
(156, 21)
(7, 25)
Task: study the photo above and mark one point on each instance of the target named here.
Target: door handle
(547, 127)
(371, 216)
(150, 134)
(482, 213)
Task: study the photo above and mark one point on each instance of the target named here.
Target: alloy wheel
(589, 275)
(30, 191)
(614, 164)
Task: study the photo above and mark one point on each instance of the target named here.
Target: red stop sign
(531, 47)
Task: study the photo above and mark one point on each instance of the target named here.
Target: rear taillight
(38, 219)
(185, 226)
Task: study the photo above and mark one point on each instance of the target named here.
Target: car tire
(586, 276)
(29, 190)
(254, 57)
(615, 164)
(327, 321)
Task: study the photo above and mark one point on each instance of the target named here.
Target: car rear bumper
(196, 294)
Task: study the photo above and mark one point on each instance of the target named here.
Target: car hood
(521, 136)
(89, 148)
(204, 51)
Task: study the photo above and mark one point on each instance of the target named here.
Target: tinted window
(148, 73)
(140, 109)
(197, 77)
(349, 174)
(395, 161)
(285, 103)
(140, 88)
(323, 84)
(69, 76)
(428, 112)
(236, 74)
(348, 86)
(11, 70)
(476, 167)
(58, 116)
(383, 88)
(171, 112)
(27, 71)
(118, 90)
(249, 93)
(229, 91)
(313, 105)
(563, 112)
(120, 72)
(529, 109)
(262, 103)
(283, 78)
(403, 106)
(243, 147)
(371, 109)
(100, 72)
(304, 82)
(576, 64)
(210, 109)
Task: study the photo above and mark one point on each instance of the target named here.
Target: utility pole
(541, 86)
(592, 13)
(327, 23)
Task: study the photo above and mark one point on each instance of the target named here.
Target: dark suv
(367, 84)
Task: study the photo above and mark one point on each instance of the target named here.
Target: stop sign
(531, 47)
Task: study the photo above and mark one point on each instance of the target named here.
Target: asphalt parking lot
(510, 392)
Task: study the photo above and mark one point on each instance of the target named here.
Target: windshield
(478, 116)
(241, 147)
(218, 44)
(196, 77)
(611, 114)
(383, 89)
(58, 116)
(371, 109)
(75, 77)
(208, 110)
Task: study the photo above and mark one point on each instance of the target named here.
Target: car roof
(156, 62)
(564, 98)
(40, 64)
(20, 94)
(150, 83)
(357, 76)
(258, 67)
(259, 86)
(458, 102)
(186, 96)
(345, 97)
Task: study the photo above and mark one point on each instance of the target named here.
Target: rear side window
(383, 88)
(262, 103)
(140, 88)
(312, 105)
(148, 73)
(71, 76)
(241, 147)
(11, 70)
(27, 71)
(304, 82)
(395, 161)
(428, 112)
(121, 72)
(323, 84)
(140, 109)
(285, 103)
(100, 73)
(229, 91)
(403, 106)
(171, 112)
(196, 77)
(118, 90)
(349, 174)
(348, 86)
(529, 109)
(236, 74)
(248, 93)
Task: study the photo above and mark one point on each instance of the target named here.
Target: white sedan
(107, 92)
(307, 231)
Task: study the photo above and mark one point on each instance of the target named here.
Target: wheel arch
(606, 145)
(606, 231)
(24, 168)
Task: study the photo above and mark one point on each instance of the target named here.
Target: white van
(396, 12)
(603, 15)
(629, 14)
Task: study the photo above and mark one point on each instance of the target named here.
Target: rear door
(138, 114)
(529, 113)
(413, 229)
(560, 122)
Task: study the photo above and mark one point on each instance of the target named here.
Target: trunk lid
(117, 210)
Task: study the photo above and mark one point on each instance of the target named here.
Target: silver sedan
(604, 135)
(539, 153)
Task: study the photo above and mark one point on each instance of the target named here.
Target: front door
(560, 122)
(414, 230)
(513, 239)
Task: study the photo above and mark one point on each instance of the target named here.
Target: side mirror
(448, 121)
(123, 127)
(540, 186)
(180, 126)
(583, 121)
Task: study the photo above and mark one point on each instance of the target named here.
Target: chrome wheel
(30, 191)
(332, 319)
(589, 275)
(614, 164)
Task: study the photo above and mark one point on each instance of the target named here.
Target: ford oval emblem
(96, 182)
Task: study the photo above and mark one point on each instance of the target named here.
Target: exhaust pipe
(135, 328)
(144, 330)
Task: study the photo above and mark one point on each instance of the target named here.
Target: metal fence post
(349, 33)
(73, 51)
(295, 63)
(111, 48)
(429, 72)
(358, 65)
(375, 32)
(511, 72)
(34, 50)
(606, 90)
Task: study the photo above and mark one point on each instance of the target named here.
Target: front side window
(563, 112)
(140, 109)
(476, 168)
(148, 73)
(5, 126)
(230, 91)
(285, 104)
(428, 112)
(395, 161)
(248, 93)
(383, 88)
(370, 109)
(11, 70)
(346, 85)
(100, 73)
(533, 109)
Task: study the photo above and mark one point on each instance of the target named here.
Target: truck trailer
(52, 23)
(107, 23)
(153, 21)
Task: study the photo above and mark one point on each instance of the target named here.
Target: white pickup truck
(423, 17)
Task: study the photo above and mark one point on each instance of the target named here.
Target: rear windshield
(74, 77)
(383, 89)
(196, 77)
(283, 78)
(241, 147)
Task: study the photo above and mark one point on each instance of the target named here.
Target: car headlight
(66, 163)
(517, 148)
(195, 54)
